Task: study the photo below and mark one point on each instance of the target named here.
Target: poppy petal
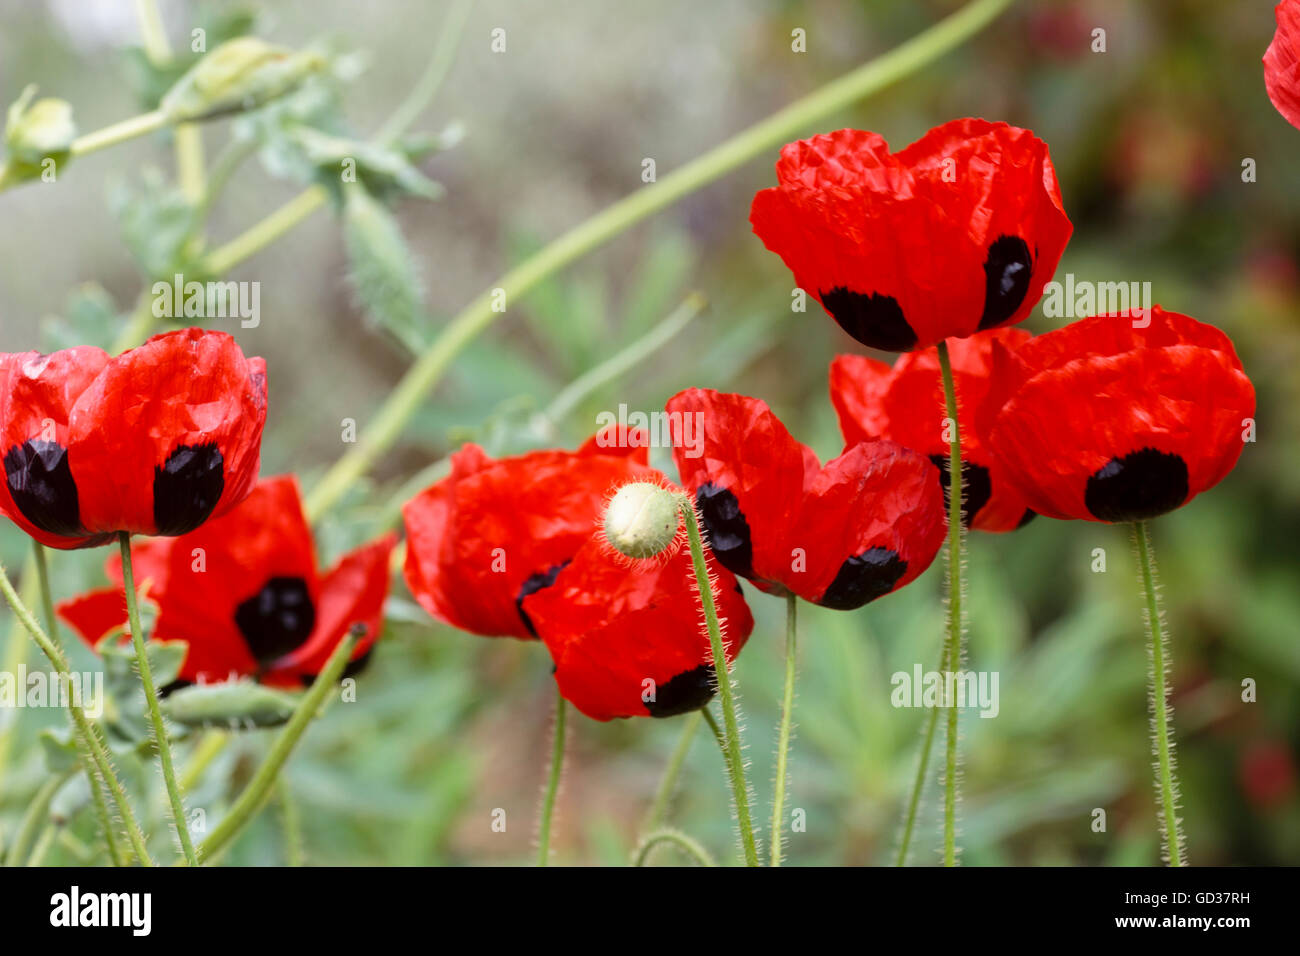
(1282, 62)
(630, 641)
(168, 435)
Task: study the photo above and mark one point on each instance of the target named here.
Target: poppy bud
(641, 519)
(241, 74)
(37, 131)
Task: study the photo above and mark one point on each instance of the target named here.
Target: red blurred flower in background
(155, 441)
(1267, 774)
(1282, 62)
(630, 640)
(1103, 421)
(956, 233)
(840, 536)
(905, 404)
(510, 547)
(244, 592)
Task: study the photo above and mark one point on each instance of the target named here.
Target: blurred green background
(1148, 138)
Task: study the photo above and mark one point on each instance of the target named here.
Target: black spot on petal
(1140, 485)
(1029, 515)
(689, 690)
(174, 686)
(976, 487)
(727, 528)
(863, 578)
(875, 320)
(40, 483)
(1007, 272)
(277, 619)
(534, 583)
(187, 487)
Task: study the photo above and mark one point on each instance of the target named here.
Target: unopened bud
(641, 520)
(241, 74)
(38, 130)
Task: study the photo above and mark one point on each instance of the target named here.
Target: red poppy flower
(905, 404)
(1105, 421)
(958, 232)
(628, 638)
(494, 531)
(841, 535)
(244, 592)
(1267, 774)
(1282, 62)
(155, 441)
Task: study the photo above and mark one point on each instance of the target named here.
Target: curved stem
(405, 400)
(85, 731)
(426, 88)
(151, 700)
(93, 777)
(783, 737)
(1162, 728)
(208, 749)
(552, 783)
(730, 741)
(953, 650)
(918, 785)
(664, 795)
(692, 848)
(259, 788)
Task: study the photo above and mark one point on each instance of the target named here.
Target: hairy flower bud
(241, 74)
(641, 520)
(38, 129)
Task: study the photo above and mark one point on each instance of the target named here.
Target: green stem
(667, 785)
(444, 54)
(614, 366)
(953, 651)
(1161, 713)
(209, 747)
(36, 813)
(918, 785)
(783, 738)
(151, 700)
(690, 847)
(731, 746)
(93, 777)
(260, 787)
(552, 783)
(90, 739)
(405, 400)
(43, 844)
(292, 826)
(127, 129)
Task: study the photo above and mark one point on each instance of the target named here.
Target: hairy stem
(922, 768)
(783, 737)
(260, 787)
(37, 812)
(668, 784)
(1162, 719)
(730, 740)
(953, 651)
(552, 783)
(688, 846)
(93, 777)
(85, 731)
(404, 401)
(179, 817)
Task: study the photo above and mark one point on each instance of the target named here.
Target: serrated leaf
(233, 704)
(89, 318)
(382, 170)
(156, 222)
